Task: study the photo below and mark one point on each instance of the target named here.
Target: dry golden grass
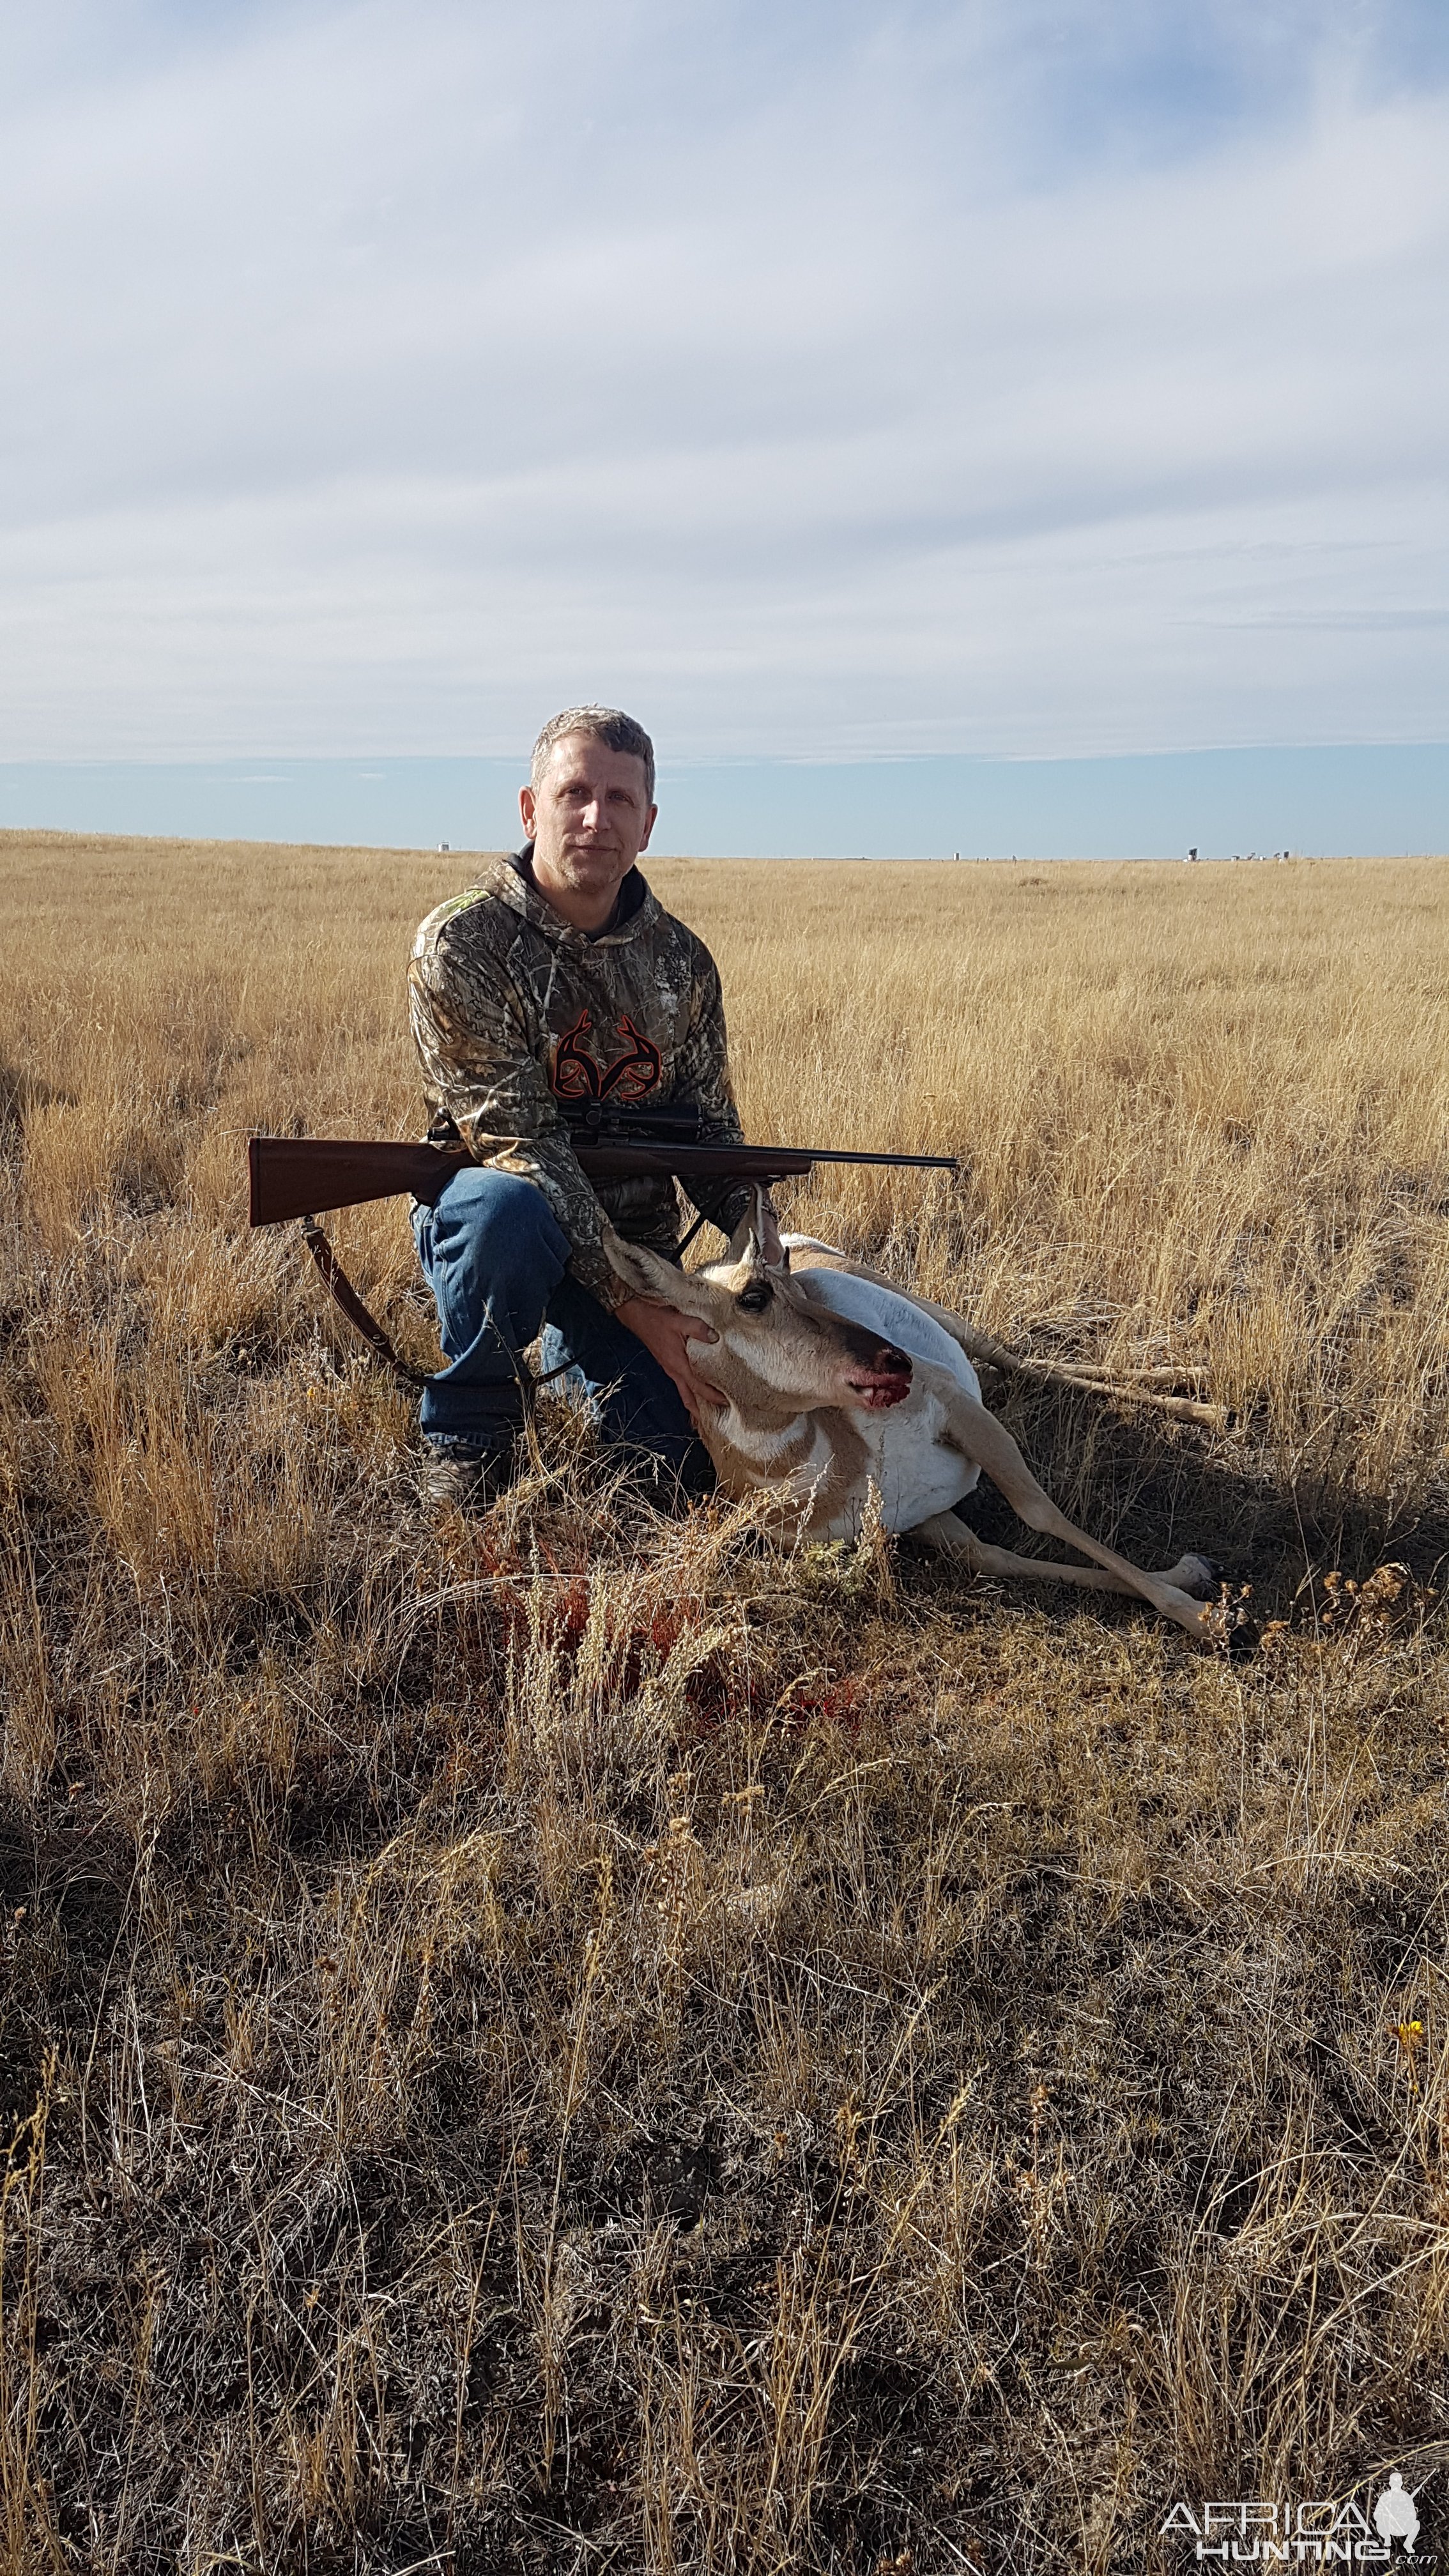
(575, 2042)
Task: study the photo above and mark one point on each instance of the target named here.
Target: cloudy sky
(828, 383)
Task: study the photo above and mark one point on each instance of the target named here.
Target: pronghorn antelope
(832, 1381)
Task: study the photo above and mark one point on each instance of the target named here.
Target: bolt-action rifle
(294, 1176)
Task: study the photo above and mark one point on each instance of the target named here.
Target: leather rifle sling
(345, 1295)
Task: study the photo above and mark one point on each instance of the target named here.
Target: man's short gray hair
(608, 725)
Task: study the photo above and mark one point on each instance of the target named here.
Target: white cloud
(923, 379)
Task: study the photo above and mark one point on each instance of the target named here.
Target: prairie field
(579, 2040)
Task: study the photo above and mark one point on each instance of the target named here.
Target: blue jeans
(496, 1261)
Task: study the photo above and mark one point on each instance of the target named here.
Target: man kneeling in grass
(558, 979)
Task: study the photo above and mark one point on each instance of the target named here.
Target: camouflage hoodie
(514, 1010)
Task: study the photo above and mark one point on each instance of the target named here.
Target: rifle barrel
(835, 1154)
(293, 1176)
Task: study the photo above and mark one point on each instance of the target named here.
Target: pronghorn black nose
(891, 1362)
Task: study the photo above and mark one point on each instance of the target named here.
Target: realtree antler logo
(577, 1074)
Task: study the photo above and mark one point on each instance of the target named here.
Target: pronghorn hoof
(1201, 1576)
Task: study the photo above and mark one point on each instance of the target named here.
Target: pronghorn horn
(759, 1227)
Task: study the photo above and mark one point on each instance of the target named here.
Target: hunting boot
(469, 1475)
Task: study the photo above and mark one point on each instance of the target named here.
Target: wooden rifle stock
(296, 1176)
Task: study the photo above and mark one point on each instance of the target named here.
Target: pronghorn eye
(754, 1299)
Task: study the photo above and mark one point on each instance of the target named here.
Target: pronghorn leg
(981, 1438)
(1188, 1577)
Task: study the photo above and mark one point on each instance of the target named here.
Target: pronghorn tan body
(833, 1382)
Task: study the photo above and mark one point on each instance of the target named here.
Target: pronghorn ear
(640, 1269)
(647, 1274)
(744, 1242)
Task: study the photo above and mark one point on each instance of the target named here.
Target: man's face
(589, 819)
